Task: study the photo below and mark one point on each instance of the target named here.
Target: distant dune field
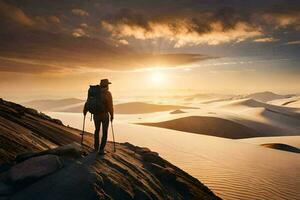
(76, 106)
(208, 126)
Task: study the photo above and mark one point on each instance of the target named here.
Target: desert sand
(224, 165)
(215, 159)
(39, 153)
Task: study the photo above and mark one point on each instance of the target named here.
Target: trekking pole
(82, 132)
(113, 134)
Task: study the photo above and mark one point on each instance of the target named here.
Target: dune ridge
(76, 106)
(282, 147)
(213, 126)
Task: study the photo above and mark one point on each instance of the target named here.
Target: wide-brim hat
(104, 82)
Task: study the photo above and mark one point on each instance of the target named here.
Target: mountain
(42, 159)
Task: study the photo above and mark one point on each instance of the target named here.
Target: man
(103, 117)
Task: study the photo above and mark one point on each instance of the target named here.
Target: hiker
(100, 104)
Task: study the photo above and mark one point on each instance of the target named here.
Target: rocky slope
(42, 159)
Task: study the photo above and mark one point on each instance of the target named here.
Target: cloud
(296, 42)
(54, 19)
(80, 12)
(266, 39)
(84, 25)
(50, 37)
(79, 32)
(124, 42)
(25, 66)
(209, 28)
(56, 52)
(14, 14)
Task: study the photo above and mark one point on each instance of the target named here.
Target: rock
(142, 150)
(34, 168)
(24, 156)
(32, 111)
(139, 193)
(5, 189)
(162, 173)
(153, 157)
(72, 151)
(4, 167)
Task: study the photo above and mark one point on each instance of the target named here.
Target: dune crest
(213, 126)
(282, 147)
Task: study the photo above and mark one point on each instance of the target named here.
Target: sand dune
(266, 96)
(293, 102)
(139, 107)
(207, 98)
(53, 105)
(76, 106)
(245, 104)
(269, 119)
(133, 108)
(208, 126)
(282, 147)
(177, 112)
(289, 140)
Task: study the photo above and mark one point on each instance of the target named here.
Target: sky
(56, 49)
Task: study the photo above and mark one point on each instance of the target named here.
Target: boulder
(24, 156)
(72, 151)
(34, 168)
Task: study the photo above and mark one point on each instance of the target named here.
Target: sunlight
(158, 77)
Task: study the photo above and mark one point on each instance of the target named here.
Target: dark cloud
(25, 66)
(14, 14)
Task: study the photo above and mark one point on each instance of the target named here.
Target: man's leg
(105, 124)
(97, 123)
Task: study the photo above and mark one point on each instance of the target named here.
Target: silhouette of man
(103, 118)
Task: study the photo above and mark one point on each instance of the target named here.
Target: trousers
(99, 119)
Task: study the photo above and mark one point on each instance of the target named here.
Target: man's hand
(84, 110)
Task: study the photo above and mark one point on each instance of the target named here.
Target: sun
(157, 77)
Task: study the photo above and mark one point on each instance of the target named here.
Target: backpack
(95, 101)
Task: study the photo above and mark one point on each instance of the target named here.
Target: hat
(104, 82)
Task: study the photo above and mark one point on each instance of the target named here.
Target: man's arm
(110, 105)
